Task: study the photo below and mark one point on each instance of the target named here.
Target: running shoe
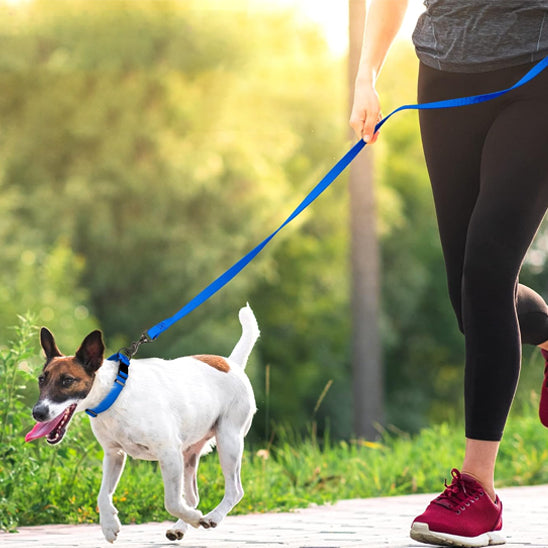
(543, 406)
(463, 515)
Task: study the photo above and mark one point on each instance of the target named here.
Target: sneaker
(543, 407)
(463, 515)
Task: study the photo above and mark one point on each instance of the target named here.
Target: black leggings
(488, 166)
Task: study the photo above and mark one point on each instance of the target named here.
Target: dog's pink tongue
(42, 429)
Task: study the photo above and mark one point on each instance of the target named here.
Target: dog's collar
(123, 357)
(119, 383)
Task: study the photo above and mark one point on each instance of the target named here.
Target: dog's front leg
(171, 465)
(113, 465)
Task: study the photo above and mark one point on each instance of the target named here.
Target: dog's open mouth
(54, 429)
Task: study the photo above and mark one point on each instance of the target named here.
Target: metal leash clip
(133, 348)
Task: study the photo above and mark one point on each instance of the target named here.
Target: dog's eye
(67, 381)
(41, 380)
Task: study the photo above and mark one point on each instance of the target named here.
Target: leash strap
(224, 278)
(335, 171)
(155, 331)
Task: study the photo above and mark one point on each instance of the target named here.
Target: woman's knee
(489, 279)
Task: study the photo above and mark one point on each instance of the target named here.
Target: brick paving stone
(367, 523)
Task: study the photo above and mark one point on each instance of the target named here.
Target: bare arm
(382, 24)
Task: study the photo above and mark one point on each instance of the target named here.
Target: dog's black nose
(40, 412)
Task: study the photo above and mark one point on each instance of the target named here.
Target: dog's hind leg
(171, 465)
(230, 446)
(191, 459)
(113, 465)
(191, 478)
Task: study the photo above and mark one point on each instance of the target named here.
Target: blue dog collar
(119, 383)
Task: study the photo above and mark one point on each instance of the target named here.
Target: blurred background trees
(145, 146)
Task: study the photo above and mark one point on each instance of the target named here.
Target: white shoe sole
(421, 532)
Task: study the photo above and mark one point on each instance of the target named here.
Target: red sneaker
(463, 515)
(543, 407)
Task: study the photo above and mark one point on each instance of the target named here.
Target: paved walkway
(357, 523)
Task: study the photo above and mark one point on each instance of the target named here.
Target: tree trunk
(368, 385)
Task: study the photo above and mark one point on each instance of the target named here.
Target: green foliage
(11, 413)
(37, 481)
(159, 141)
(114, 138)
(46, 285)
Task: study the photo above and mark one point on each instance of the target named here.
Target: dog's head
(65, 381)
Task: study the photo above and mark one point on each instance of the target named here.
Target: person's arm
(382, 24)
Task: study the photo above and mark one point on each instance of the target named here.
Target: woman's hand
(366, 111)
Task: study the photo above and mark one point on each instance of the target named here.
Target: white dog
(169, 411)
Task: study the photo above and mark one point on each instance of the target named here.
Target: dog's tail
(250, 333)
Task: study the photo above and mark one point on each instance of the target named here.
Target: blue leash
(124, 355)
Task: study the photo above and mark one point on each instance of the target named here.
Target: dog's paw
(208, 523)
(211, 520)
(111, 527)
(177, 532)
(174, 534)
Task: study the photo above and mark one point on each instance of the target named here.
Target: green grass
(42, 484)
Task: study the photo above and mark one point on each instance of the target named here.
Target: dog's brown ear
(48, 344)
(90, 353)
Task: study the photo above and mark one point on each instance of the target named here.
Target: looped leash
(124, 355)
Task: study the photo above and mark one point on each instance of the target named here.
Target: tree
(368, 383)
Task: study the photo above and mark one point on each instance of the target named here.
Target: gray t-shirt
(481, 35)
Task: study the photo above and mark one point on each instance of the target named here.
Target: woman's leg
(479, 462)
(509, 208)
(511, 192)
(453, 156)
(489, 174)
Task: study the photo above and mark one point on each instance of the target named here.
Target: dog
(171, 411)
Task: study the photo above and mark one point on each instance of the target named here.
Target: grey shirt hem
(437, 64)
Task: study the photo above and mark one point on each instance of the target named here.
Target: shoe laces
(461, 494)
